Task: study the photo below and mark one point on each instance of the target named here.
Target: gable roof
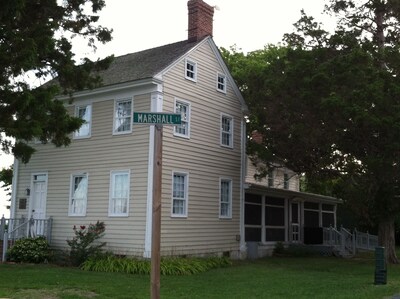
(144, 64)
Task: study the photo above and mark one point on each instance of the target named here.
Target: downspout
(14, 188)
(243, 248)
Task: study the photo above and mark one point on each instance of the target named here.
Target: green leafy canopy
(327, 104)
(34, 43)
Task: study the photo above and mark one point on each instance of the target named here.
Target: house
(211, 203)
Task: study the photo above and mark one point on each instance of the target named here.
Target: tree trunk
(387, 240)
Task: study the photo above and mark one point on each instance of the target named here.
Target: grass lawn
(282, 277)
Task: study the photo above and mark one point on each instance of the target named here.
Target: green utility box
(380, 266)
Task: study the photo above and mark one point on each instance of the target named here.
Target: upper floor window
(190, 70)
(286, 181)
(78, 195)
(221, 82)
(270, 178)
(123, 116)
(179, 194)
(226, 131)
(225, 203)
(119, 193)
(183, 108)
(85, 113)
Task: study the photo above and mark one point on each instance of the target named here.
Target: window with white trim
(119, 193)
(190, 70)
(270, 177)
(179, 194)
(78, 194)
(183, 108)
(221, 82)
(123, 116)
(85, 113)
(286, 180)
(226, 130)
(225, 203)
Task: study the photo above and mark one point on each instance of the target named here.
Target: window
(183, 108)
(226, 131)
(286, 181)
(78, 196)
(123, 116)
(225, 207)
(119, 193)
(179, 194)
(85, 113)
(191, 70)
(270, 178)
(221, 82)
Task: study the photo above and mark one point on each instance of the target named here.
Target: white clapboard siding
(97, 156)
(203, 159)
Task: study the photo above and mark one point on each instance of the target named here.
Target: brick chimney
(200, 20)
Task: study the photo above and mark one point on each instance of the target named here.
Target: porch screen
(274, 219)
(253, 217)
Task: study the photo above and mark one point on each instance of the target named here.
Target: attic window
(221, 82)
(191, 70)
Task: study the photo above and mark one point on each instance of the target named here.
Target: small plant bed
(169, 266)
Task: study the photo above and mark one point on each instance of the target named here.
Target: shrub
(83, 245)
(278, 249)
(169, 266)
(29, 250)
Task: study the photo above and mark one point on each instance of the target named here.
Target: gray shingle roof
(143, 64)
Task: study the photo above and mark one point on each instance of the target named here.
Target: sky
(139, 25)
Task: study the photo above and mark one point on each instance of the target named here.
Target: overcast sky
(140, 25)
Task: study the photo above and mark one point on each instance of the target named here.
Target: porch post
(2, 226)
(5, 245)
(48, 230)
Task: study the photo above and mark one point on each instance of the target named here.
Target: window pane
(119, 193)
(252, 214)
(252, 234)
(183, 109)
(326, 207)
(84, 112)
(79, 194)
(275, 234)
(274, 216)
(275, 201)
(254, 198)
(311, 218)
(225, 200)
(123, 117)
(328, 219)
(179, 196)
(311, 205)
(226, 131)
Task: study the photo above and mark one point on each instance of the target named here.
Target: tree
(328, 105)
(35, 43)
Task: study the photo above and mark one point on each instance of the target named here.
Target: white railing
(349, 242)
(366, 241)
(14, 229)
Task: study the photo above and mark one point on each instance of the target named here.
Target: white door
(38, 204)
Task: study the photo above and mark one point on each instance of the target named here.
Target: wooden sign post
(158, 120)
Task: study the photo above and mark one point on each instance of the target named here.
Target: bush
(83, 246)
(29, 250)
(169, 266)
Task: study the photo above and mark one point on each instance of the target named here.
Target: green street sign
(156, 118)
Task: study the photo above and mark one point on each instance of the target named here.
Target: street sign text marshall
(157, 118)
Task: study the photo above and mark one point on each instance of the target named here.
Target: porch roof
(260, 189)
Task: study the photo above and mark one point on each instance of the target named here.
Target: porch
(12, 229)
